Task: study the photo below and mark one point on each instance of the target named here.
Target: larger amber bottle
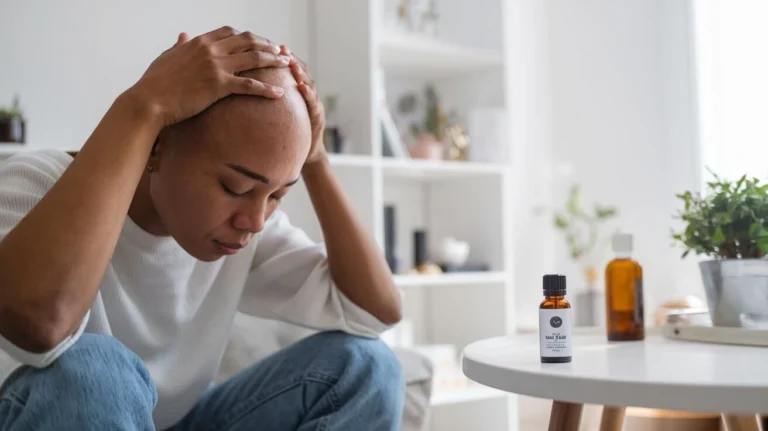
(625, 320)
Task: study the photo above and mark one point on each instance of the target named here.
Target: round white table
(655, 373)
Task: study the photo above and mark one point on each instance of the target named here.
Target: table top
(654, 373)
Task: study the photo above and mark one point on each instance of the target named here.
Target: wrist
(141, 107)
(318, 164)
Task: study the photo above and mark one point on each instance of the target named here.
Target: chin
(201, 253)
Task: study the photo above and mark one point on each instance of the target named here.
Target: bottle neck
(554, 297)
(623, 255)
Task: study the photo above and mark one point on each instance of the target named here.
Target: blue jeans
(329, 381)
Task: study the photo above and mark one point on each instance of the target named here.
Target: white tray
(715, 334)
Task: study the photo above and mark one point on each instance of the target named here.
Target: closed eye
(230, 191)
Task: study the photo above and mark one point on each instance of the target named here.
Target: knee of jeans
(104, 363)
(366, 358)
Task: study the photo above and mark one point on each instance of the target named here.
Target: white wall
(619, 88)
(69, 60)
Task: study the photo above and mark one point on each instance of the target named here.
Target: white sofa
(252, 339)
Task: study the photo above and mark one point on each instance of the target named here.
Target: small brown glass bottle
(625, 320)
(555, 322)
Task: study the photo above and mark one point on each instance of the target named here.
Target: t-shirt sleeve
(24, 180)
(290, 281)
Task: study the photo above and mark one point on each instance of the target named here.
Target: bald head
(253, 123)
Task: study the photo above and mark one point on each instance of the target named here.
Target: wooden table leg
(565, 416)
(613, 418)
(740, 422)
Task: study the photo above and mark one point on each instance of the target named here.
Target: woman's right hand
(193, 74)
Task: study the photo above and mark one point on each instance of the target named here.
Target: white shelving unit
(467, 63)
(408, 54)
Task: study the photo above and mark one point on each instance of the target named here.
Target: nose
(250, 217)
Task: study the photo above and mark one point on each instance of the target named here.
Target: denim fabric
(329, 381)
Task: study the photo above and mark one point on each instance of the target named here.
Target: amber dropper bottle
(555, 322)
(624, 314)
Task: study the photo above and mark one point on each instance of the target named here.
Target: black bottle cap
(554, 285)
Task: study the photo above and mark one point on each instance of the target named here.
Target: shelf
(403, 53)
(350, 160)
(451, 279)
(9, 149)
(464, 395)
(438, 169)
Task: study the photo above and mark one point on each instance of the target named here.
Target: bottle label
(555, 332)
(639, 311)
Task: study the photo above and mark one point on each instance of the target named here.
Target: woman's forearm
(357, 266)
(52, 262)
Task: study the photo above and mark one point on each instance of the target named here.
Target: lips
(228, 248)
(232, 245)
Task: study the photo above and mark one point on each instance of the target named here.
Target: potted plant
(12, 124)
(582, 231)
(428, 135)
(729, 226)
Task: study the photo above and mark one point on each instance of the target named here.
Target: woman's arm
(357, 266)
(53, 260)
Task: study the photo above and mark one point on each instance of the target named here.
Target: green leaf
(762, 241)
(560, 222)
(685, 254)
(719, 237)
(754, 229)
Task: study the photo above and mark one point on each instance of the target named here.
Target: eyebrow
(258, 177)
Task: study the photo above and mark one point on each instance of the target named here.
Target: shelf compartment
(451, 279)
(438, 169)
(403, 53)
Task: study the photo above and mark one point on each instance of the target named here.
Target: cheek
(189, 206)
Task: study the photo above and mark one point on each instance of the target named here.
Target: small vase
(427, 147)
(12, 130)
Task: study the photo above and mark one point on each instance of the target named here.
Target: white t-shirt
(175, 311)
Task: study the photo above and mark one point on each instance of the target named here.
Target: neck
(624, 255)
(142, 210)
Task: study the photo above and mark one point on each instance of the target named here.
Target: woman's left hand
(314, 105)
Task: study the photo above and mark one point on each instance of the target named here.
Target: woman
(121, 269)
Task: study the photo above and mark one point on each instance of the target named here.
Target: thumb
(183, 38)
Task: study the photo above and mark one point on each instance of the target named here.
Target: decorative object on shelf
(12, 123)
(333, 137)
(390, 238)
(456, 139)
(467, 267)
(583, 236)
(393, 145)
(428, 135)
(421, 262)
(453, 253)
(487, 127)
(427, 17)
(730, 226)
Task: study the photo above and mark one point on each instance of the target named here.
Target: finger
(301, 75)
(183, 38)
(255, 60)
(310, 96)
(285, 51)
(239, 85)
(219, 34)
(300, 62)
(246, 41)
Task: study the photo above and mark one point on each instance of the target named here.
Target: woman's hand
(316, 110)
(193, 74)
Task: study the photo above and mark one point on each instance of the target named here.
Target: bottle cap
(554, 285)
(622, 242)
